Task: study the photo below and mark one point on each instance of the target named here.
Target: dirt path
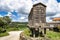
(14, 35)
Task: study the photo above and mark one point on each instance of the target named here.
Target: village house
(55, 22)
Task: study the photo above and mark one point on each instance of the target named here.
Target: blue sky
(18, 10)
(58, 0)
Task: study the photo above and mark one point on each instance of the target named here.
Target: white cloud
(52, 9)
(42, 1)
(1, 16)
(12, 16)
(9, 14)
(22, 18)
(24, 6)
(58, 8)
(48, 19)
(16, 4)
(57, 15)
(52, 6)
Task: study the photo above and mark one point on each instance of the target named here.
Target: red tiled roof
(56, 19)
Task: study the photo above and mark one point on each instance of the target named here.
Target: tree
(7, 19)
(2, 25)
(1, 22)
(4, 21)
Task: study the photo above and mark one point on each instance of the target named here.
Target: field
(14, 26)
(23, 26)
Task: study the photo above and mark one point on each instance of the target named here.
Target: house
(55, 22)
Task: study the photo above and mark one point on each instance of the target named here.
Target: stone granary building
(37, 19)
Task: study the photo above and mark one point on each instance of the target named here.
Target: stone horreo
(37, 20)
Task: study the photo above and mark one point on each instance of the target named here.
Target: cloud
(48, 19)
(57, 15)
(9, 14)
(58, 8)
(22, 18)
(23, 7)
(52, 9)
(4, 8)
(52, 6)
(1, 16)
(48, 14)
(16, 4)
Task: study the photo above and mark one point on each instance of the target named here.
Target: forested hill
(19, 22)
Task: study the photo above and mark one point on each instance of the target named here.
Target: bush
(56, 29)
(27, 32)
(2, 30)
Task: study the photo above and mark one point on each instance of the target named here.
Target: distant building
(56, 19)
(55, 22)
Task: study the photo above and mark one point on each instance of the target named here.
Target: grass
(19, 28)
(15, 29)
(53, 35)
(4, 34)
(12, 29)
(50, 34)
(27, 32)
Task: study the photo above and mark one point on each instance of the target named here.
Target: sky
(18, 10)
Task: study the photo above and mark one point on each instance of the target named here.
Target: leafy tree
(1, 22)
(7, 19)
(4, 21)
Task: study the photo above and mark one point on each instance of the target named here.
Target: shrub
(27, 32)
(56, 29)
(2, 30)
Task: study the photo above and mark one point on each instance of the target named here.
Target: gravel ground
(13, 35)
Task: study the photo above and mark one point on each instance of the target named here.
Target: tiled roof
(56, 19)
(40, 4)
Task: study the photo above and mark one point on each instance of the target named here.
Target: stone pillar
(36, 32)
(32, 32)
(40, 31)
(44, 30)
